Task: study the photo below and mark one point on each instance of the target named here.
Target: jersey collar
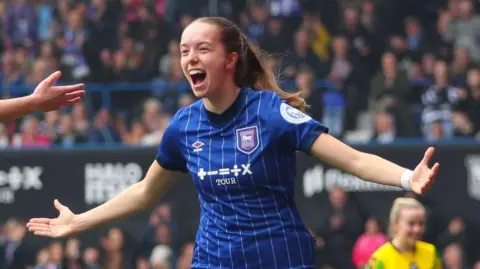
(229, 114)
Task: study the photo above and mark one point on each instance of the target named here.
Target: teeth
(196, 72)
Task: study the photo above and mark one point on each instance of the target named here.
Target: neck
(401, 245)
(222, 100)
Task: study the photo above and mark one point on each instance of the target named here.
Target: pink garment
(365, 246)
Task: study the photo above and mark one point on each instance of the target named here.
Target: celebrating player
(45, 97)
(239, 142)
(405, 250)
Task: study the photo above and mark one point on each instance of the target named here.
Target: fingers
(58, 205)
(428, 155)
(71, 102)
(69, 88)
(50, 80)
(43, 233)
(39, 221)
(38, 227)
(434, 170)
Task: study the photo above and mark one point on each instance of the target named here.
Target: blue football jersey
(243, 164)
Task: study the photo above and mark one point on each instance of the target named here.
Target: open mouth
(197, 76)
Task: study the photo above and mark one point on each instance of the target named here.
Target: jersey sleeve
(297, 128)
(169, 153)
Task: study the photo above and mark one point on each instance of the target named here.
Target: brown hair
(250, 69)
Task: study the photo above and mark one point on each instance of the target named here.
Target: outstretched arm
(135, 198)
(45, 97)
(374, 168)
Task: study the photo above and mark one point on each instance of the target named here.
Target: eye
(184, 52)
(203, 49)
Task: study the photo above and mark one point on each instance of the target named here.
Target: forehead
(199, 32)
(410, 214)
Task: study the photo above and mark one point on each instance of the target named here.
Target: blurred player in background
(239, 142)
(406, 250)
(45, 97)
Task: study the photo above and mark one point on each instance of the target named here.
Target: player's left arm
(309, 136)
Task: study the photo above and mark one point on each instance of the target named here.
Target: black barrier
(82, 179)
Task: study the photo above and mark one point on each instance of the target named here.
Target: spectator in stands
(81, 124)
(459, 66)
(453, 257)
(319, 36)
(257, 22)
(440, 101)
(302, 55)
(16, 252)
(358, 37)
(11, 74)
(345, 77)
(43, 257)
(90, 258)
(31, 136)
(66, 135)
(473, 87)
(341, 227)
(72, 254)
(103, 129)
(136, 134)
(4, 139)
(21, 24)
(49, 125)
(463, 29)
(117, 254)
(312, 95)
(385, 131)
(57, 256)
(71, 44)
(389, 91)
(428, 65)
(166, 60)
(368, 243)
(456, 232)
(274, 39)
(416, 38)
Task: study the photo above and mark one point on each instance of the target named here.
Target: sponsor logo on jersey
(293, 115)
(197, 146)
(247, 139)
(236, 170)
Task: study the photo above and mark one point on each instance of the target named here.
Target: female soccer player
(45, 97)
(405, 250)
(239, 143)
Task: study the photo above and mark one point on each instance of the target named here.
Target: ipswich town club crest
(247, 139)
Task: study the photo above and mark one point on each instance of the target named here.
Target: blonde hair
(251, 69)
(400, 204)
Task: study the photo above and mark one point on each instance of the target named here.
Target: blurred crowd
(346, 237)
(371, 70)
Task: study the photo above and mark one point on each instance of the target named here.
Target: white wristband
(405, 180)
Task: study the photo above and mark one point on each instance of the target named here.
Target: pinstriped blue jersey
(243, 164)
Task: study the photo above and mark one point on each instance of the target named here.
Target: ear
(231, 61)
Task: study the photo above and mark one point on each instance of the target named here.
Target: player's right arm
(162, 174)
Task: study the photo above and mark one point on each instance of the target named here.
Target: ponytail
(257, 76)
(251, 71)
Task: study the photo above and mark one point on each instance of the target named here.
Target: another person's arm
(45, 97)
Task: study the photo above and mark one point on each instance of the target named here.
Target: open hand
(423, 177)
(59, 227)
(47, 97)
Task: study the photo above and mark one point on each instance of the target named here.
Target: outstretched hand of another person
(423, 176)
(47, 97)
(62, 226)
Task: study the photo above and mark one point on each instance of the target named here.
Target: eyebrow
(198, 45)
